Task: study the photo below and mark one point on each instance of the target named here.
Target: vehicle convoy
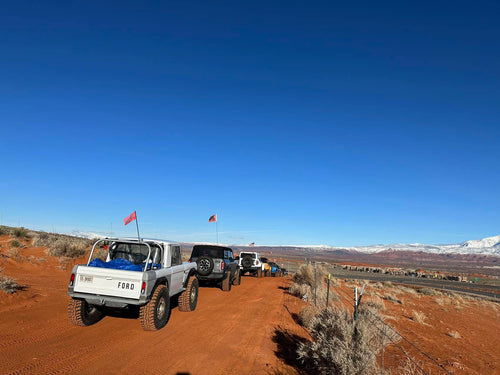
(251, 262)
(216, 264)
(275, 269)
(141, 275)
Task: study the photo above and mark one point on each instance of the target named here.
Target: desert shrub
(419, 317)
(59, 245)
(375, 302)
(307, 314)
(13, 253)
(406, 289)
(392, 298)
(302, 291)
(454, 334)
(305, 274)
(429, 292)
(3, 230)
(338, 346)
(15, 243)
(20, 232)
(8, 285)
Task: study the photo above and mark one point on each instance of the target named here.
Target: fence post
(315, 284)
(328, 290)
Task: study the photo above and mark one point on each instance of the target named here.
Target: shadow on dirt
(287, 344)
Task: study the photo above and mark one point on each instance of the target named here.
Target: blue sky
(295, 122)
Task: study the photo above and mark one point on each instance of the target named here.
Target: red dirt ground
(246, 331)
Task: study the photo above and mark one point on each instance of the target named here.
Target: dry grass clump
(302, 291)
(303, 286)
(13, 253)
(454, 334)
(375, 302)
(419, 317)
(307, 314)
(429, 292)
(406, 289)
(4, 230)
(60, 245)
(8, 285)
(338, 346)
(392, 298)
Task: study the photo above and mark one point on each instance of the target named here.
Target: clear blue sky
(296, 122)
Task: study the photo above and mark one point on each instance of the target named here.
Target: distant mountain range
(485, 246)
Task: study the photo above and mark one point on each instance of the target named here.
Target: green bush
(20, 232)
(15, 243)
(3, 230)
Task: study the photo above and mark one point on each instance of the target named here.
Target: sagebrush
(60, 245)
(339, 344)
(8, 285)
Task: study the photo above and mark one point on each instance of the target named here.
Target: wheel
(247, 262)
(189, 298)
(82, 314)
(237, 279)
(205, 265)
(226, 283)
(155, 314)
(259, 272)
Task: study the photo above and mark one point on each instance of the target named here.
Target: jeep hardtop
(251, 262)
(216, 263)
(143, 274)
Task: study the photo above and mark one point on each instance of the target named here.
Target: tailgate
(108, 282)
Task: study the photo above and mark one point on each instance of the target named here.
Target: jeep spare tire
(247, 262)
(205, 265)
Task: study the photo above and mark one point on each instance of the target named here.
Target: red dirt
(229, 332)
(246, 331)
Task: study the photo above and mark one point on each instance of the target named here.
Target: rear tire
(237, 279)
(155, 314)
(189, 298)
(82, 314)
(226, 283)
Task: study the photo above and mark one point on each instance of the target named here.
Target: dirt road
(230, 332)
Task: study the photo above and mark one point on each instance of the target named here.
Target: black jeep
(216, 264)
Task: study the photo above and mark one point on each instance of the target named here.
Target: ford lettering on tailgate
(122, 285)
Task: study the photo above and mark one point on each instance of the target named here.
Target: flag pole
(137, 225)
(217, 231)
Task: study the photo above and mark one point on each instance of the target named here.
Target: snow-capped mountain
(485, 246)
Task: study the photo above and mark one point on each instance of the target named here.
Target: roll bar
(123, 241)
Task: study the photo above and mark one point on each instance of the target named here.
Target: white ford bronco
(137, 275)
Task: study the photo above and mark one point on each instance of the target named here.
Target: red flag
(252, 244)
(212, 218)
(130, 218)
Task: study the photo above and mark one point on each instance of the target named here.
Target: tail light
(222, 266)
(72, 279)
(143, 288)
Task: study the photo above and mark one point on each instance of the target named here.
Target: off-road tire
(259, 272)
(189, 298)
(226, 283)
(205, 265)
(247, 262)
(82, 314)
(155, 314)
(237, 279)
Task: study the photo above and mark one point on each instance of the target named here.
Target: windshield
(136, 253)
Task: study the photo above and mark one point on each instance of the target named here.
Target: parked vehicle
(275, 269)
(216, 263)
(251, 262)
(267, 267)
(143, 274)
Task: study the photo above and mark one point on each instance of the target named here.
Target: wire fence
(393, 349)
